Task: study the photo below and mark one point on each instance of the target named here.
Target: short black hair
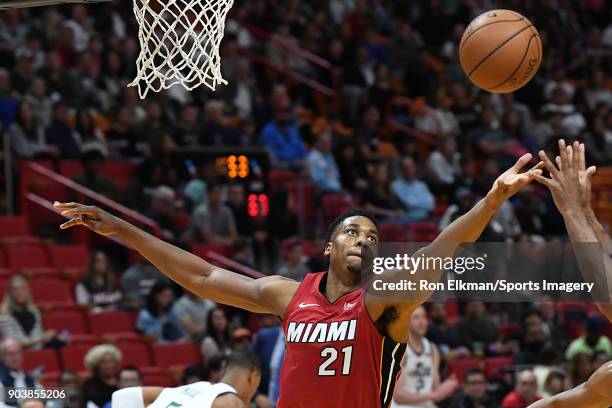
(354, 212)
(473, 371)
(244, 359)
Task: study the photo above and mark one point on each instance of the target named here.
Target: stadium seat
(423, 231)
(6, 273)
(84, 340)
(72, 357)
(452, 312)
(70, 168)
(27, 256)
(135, 354)
(120, 171)
(393, 232)
(568, 311)
(508, 331)
(50, 379)
(46, 358)
(280, 179)
(111, 322)
(157, 381)
(14, 226)
(492, 365)
(72, 321)
(51, 291)
(459, 367)
(333, 205)
(69, 256)
(166, 355)
(123, 337)
(310, 248)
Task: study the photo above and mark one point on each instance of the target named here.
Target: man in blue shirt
(322, 165)
(282, 137)
(412, 193)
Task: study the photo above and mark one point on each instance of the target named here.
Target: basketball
(500, 51)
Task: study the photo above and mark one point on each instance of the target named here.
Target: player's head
(475, 384)
(351, 241)
(243, 372)
(526, 385)
(418, 322)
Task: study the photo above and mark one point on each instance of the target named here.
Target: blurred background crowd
(401, 132)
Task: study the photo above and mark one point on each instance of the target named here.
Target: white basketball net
(179, 43)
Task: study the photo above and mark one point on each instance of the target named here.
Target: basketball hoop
(179, 41)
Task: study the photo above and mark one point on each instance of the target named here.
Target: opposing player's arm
(270, 294)
(594, 393)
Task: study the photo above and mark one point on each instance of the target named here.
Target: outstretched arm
(265, 295)
(594, 393)
(570, 187)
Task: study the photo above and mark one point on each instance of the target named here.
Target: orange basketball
(500, 51)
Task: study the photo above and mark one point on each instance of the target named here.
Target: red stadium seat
(280, 179)
(135, 354)
(120, 171)
(166, 355)
(423, 231)
(84, 340)
(69, 256)
(70, 168)
(50, 379)
(123, 337)
(459, 367)
(6, 273)
(51, 291)
(14, 226)
(157, 381)
(47, 358)
(393, 232)
(72, 321)
(452, 311)
(27, 256)
(3, 263)
(111, 322)
(509, 331)
(72, 357)
(576, 311)
(333, 205)
(310, 248)
(492, 365)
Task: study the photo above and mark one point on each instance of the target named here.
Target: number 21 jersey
(335, 355)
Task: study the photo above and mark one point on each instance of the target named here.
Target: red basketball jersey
(335, 356)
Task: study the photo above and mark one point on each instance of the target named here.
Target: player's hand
(564, 182)
(584, 175)
(92, 217)
(512, 181)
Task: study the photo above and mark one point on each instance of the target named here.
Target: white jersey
(418, 374)
(197, 395)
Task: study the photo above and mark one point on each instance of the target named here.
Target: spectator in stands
(367, 136)
(192, 311)
(463, 199)
(163, 212)
(378, 198)
(97, 291)
(476, 329)
(215, 129)
(12, 375)
(444, 164)
(60, 135)
(20, 319)
(8, 101)
(236, 201)
(241, 338)
(163, 151)
(474, 392)
(157, 319)
(269, 345)
(91, 138)
(217, 339)
(294, 265)
(282, 137)
(92, 177)
(322, 165)
(216, 367)
(213, 222)
(137, 281)
(443, 334)
(128, 377)
(119, 136)
(40, 102)
(27, 136)
(187, 130)
(352, 167)
(594, 340)
(525, 392)
(104, 362)
(580, 369)
(554, 383)
(534, 341)
(243, 252)
(194, 373)
(412, 193)
(598, 359)
(69, 382)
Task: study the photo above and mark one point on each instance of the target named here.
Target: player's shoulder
(278, 288)
(229, 400)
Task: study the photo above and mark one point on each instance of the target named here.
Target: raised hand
(512, 181)
(584, 175)
(567, 186)
(92, 217)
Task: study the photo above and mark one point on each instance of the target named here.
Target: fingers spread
(87, 211)
(590, 171)
(581, 159)
(552, 169)
(563, 154)
(550, 183)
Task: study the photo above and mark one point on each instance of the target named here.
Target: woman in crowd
(217, 339)
(157, 319)
(97, 291)
(104, 362)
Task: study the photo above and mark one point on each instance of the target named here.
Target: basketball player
(344, 346)
(419, 386)
(570, 185)
(237, 387)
